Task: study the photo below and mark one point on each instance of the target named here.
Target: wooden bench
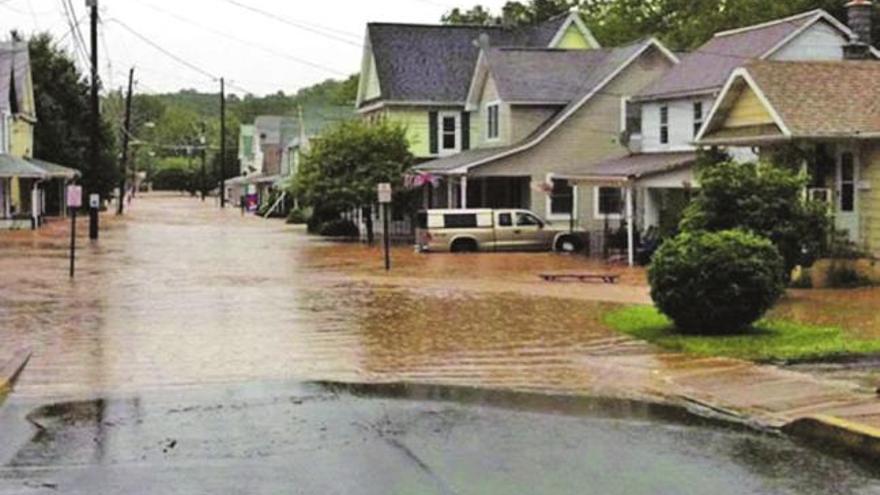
(608, 278)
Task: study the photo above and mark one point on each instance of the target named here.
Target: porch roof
(13, 166)
(463, 159)
(632, 167)
(54, 170)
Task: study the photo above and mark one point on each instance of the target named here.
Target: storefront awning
(13, 166)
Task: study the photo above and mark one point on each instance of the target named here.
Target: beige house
(827, 109)
(537, 112)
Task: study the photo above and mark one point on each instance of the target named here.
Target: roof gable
(706, 69)
(15, 79)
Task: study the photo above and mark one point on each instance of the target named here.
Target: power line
(167, 53)
(245, 42)
(72, 23)
(310, 27)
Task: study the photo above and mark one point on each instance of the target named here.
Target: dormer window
(664, 124)
(492, 122)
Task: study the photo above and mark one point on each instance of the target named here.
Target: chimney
(859, 14)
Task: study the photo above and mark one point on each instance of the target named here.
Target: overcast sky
(298, 43)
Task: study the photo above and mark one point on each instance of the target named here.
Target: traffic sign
(74, 196)
(384, 193)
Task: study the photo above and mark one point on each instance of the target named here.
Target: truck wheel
(464, 246)
(568, 244)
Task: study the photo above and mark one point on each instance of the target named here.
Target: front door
(846, 211)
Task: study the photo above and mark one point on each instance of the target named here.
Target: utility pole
(222, 143)
(96, 110)
(203, 142)
(126, 137)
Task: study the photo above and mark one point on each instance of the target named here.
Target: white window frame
(664, 126)
(698, 123)
(597, 214)
(441, 151)
(5, 130)
(548, 204)
(496, 105)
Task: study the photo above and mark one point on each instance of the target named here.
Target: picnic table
(608, 278)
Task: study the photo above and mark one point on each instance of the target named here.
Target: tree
(477, 15)
(765, 199)
(345, 165)
(64, 122)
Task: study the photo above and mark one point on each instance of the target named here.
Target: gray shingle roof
(637, 165)
(14, 58)
(708, 68)
(434, 63)
(542, 74)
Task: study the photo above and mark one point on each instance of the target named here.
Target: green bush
(339, 228)
(765, 199)
(297, 216)
(844, 276)
(718, 282)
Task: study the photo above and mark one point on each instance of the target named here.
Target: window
(492, 123)
(527, 220)
(698, 117)
(505, 220)
(449, 133)
(847, 183)
(460, 221)
(561, 198)
(632, 118)
(609, 202)
(664, 125)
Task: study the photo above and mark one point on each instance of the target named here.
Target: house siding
(586, 138)
(819, 42)
(681, 123)
(573, 39)
(417, 124)
(869, 200)
(22, 139)
(748, 111)
(526, 119)
(372, 88)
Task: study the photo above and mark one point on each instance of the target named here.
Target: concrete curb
(838, 433)
(12, 368)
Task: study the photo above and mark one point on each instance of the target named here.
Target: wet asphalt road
(317, 439)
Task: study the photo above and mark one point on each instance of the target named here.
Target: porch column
(464, 187)
(450, 193)
(630, 228)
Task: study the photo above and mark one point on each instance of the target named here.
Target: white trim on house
(652, 42)
(396, 103)
(575, 18)
(481, 74)
(441, 150)
(365, 61)
(802, 15)
(743, 74)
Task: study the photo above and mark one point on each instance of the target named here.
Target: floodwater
(178, 292)
(326, 439)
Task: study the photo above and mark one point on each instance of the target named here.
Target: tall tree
(341, 171)
(63, 117)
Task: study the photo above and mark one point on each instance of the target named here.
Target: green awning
(54, 170)
(13, 166)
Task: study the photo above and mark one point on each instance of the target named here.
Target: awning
(13, 166)
(632, 168)
(54, 170)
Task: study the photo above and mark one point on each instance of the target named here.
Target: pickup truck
(459, 231)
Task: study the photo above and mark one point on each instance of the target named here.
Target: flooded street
(178, 292)
(176, 362)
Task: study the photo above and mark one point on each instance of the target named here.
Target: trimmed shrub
(718, 282)
(339, 228)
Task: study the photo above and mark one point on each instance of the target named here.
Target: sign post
(74, 202)
(385, 201)
(94, 207)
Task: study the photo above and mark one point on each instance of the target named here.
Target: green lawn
(770, 340)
